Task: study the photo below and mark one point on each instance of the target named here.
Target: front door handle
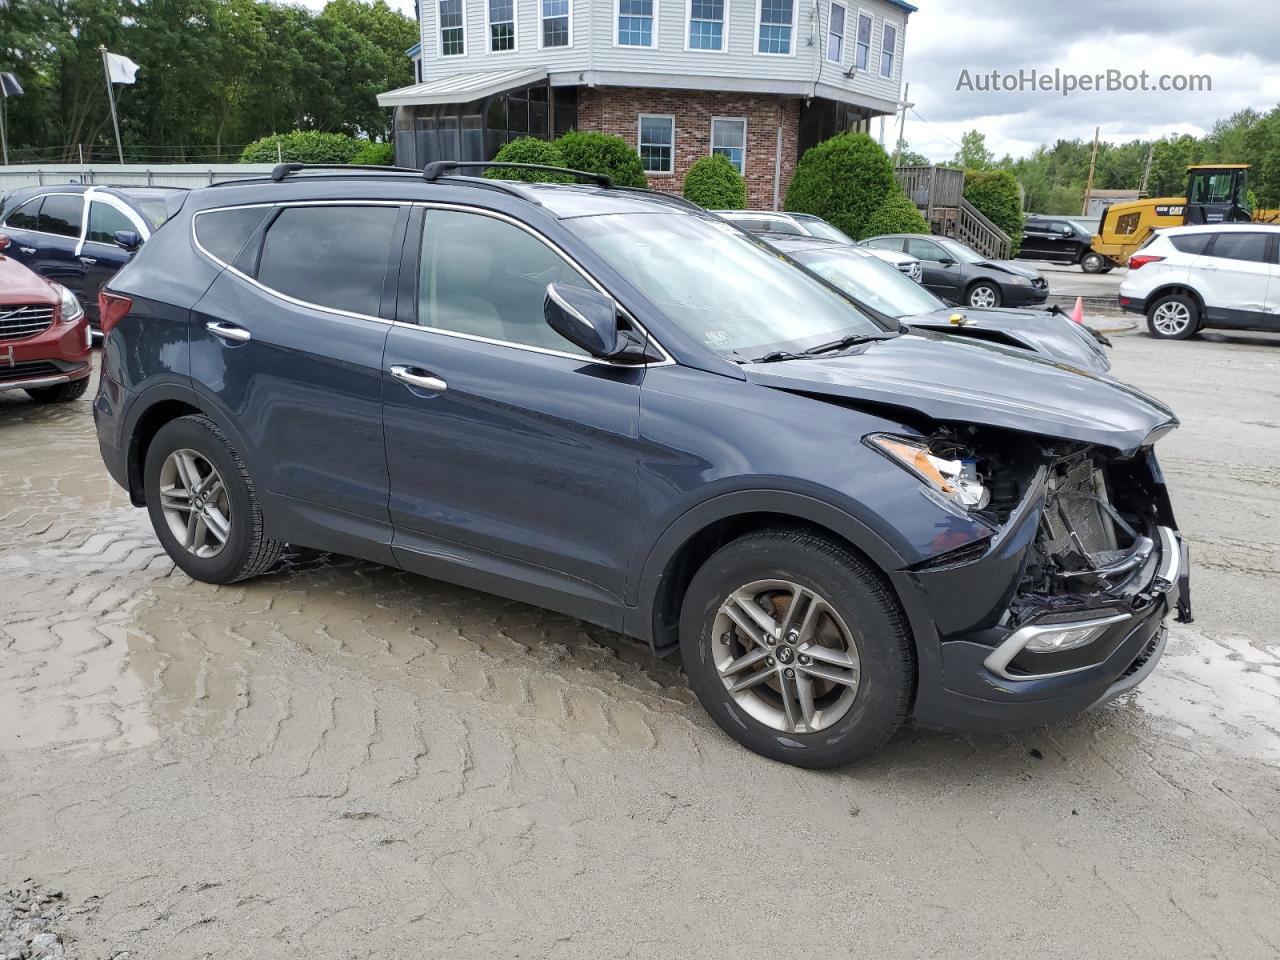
(88, 261)
(419, 378)
(228, 331)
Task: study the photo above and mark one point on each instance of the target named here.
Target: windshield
(820, 228)
(723, 288)
(870, 280)
(958, 250)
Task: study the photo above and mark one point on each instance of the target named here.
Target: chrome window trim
(45, 233)
(667, 359)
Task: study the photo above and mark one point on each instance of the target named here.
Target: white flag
(121, 69)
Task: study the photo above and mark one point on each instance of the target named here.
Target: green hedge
(995, 193)
(529, 150)
(603, 153)
(844, 180)
(375, 154)
(303, 146)
(715, 183)
(896, 215)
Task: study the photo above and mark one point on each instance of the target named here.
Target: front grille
(28, 369)
(1073, 507)
(1148, 650)
(19, 321)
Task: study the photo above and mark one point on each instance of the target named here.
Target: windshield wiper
(844, 343)
(777, 355)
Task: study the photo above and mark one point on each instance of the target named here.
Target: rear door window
(26, 216)
(1195, 243)
(1241, 246)
(61, 214)
(223, 233)
(886, 243)
(330, 256)
(105, 220)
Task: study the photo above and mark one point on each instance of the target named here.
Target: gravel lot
(342, 760)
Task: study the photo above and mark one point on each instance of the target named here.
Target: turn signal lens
(112, 308)
(1142, 259)
(913, 456)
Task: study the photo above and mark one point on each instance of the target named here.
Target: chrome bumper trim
(998, 660)
(34, 382)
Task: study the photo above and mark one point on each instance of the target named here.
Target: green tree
(995, 194)
(715, 183)
(907, 157)
(529, 150)
(603, 153)
(896, 215)
(844, 180)
(304, 146)
(973, 153)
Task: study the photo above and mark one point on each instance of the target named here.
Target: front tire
(984, 294)
(203, 503)
(1093, 263)
(797, 648)
(1174, 316)
(60, 393)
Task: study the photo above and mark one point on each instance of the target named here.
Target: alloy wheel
(1171, 318)
(195, 503)
(982, 297)
(786, 656)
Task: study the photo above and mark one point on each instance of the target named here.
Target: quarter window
(862, 52)
(776, 19)
(635, 23)
(835, 33)
(1227, 246)
(1194, 243)
(332, 256)
(61, 214)
(888, 50)
(706, 24)
(657, 144)
(502, 25)
(555, 23)
(452, 29)
(484, 277)
(26, 217)
(223, 233)
(104, 221)
(729, 138)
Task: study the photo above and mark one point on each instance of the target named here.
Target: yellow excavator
(1216, 193)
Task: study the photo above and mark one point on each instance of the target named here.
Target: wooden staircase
(938, 193)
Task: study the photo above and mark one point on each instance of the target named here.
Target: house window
(555, 23)
(776, 23)
(635, 23)
(835, 33)
(657, 143)
(887, 51)
(502, 25)
(862, 53)
(706, 24)
(452, 31)
(729, 139)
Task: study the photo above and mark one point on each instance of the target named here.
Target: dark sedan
(960, 274)
(876, 286)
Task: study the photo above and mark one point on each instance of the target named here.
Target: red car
(45, 343)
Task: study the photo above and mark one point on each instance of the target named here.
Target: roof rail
(439, 168)
(672, 198)
(282, 170)
(500, 186)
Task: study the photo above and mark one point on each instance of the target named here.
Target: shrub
(995, 194)
(896, 215)
(844, 180)
(530, 150)
(603, 153)
(375, 154)
(302, 146)
(715, 183)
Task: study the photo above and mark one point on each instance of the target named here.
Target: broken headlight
(952, 483)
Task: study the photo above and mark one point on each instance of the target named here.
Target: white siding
(593, 45)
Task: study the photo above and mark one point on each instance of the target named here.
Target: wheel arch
(1176, 288)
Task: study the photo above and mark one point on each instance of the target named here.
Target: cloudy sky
(1233, 41)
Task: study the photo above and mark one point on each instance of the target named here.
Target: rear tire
(191, 462)
(1174, 316)
(60, 393)
(1092, 262)
(829, 722)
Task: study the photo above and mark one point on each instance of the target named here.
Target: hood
(20, 285)
(1046, 332)
(960, 380)
(1012, 266)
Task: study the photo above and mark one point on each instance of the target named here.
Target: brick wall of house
(617, 110)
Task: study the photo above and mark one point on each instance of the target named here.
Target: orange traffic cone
(1077, 314)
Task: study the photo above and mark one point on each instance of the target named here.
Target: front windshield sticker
(718, 339)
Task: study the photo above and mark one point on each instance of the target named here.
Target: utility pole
(1146, 171)
(1093, 163)
(902, 124)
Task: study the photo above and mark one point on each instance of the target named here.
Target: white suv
(1223, 275)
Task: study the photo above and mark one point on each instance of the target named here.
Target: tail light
(112, 308)
(1141, 260)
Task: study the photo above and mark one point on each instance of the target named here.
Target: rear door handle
(88, 261)
(28, 250)
(419, 378)
(228, 331)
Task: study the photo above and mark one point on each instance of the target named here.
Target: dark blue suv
(616, 405)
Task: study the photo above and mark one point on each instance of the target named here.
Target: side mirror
(946, 262)
(589, 320)
(127, 240)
